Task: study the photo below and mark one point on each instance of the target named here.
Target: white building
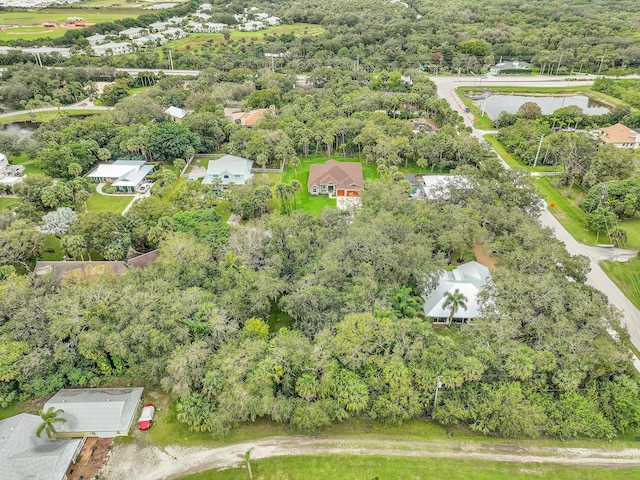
(112, 48)
(150, 40)
(132, 33)
(214, 27)
(4, 165)
(176, 20)
(195, 27)
(159, 26)
(63, 52)
(202, 16)
(273, 21)
(251, 26)
(96, 39)
(174, 33)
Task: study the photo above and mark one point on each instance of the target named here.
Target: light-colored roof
(619, 133)
(340, 174)
(176, 112)
(437, 186)
(133, 177)
(116, 169)
(96, 409)
(25, 456)
(231, 165)
(469, 279)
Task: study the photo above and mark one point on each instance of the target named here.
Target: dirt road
(150, 463)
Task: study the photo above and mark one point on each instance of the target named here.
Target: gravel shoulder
(146, 462)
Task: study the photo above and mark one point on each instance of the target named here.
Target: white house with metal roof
(96, 412)
(176, 113)
(124, 175)
(24, 455)
(229, 169)
(468, 279)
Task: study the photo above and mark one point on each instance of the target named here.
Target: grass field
(120, 3)
(29, 33)
(512, 160)
(312, 203)
(197, 39)
(104, 203)
(60, 15)
(47, 115)
(626, 276)
(51, 251)
(357, 467)
(5, 203)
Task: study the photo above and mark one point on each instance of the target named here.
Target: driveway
(596, 277)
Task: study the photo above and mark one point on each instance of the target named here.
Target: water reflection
(497, 104)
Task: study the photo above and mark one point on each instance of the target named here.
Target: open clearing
(60, 15)
(145, 462)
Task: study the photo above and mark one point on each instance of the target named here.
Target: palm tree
(247, 458)
(282, 190)
(454, 302)
(296, 187)
(49, 419)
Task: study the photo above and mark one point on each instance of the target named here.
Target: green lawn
(119, 3)
(51, 251)
(626, 276)
(31, 33)
(60, 15)
(512, 160)
(47, 115)
(104, 203)
(31, 164)
(5, 203)
(196, 39)
(365, 467)
(316, 203)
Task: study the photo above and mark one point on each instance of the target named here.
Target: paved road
(596, 277)
(83, 105)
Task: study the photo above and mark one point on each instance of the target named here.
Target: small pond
(496, 104)
(21, 130)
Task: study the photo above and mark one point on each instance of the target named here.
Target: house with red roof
(339, 179)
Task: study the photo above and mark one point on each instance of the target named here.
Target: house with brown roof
(424, 125)
(250, 118)
(620, 136)
(340, 179)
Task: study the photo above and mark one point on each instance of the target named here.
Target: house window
(226, 175)
(237, 176)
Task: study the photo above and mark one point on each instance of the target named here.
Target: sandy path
(150, 463)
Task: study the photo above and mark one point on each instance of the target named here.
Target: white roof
(23, 455)
(437, 186)
(116, 169)
(131, 31)
(176, 112)
(96, 409)
(231, 165)
(469, 279)
(134, 177)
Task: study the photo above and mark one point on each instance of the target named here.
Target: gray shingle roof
(25, 456)
(96, 409)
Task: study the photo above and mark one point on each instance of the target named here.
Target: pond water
(496, 104)
(21, 130)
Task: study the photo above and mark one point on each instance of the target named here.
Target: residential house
(272, 21)
(176, 20)
(195, 27)
(174, 33)
(424, 125)
(252, 26)
(228, 169)
(250, 118)
(124, 175)
(63, 52)
(161, 6)
(159, 26)
(176, 114)
(112, 48)
(215, 27)
(205, 7)
(437, 187)
(96, 412)
(340, 179)
(15, 170)
(202, 16)
(621, 136)
(468, 279)
(96, 39)
(151, 40)
(135, 32)
(24, 455)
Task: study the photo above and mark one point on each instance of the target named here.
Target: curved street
(596, 277)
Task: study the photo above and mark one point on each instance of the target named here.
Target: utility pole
(535, 162)
(170, 60)
(559, 62)
(438, 387)
(601, 62)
